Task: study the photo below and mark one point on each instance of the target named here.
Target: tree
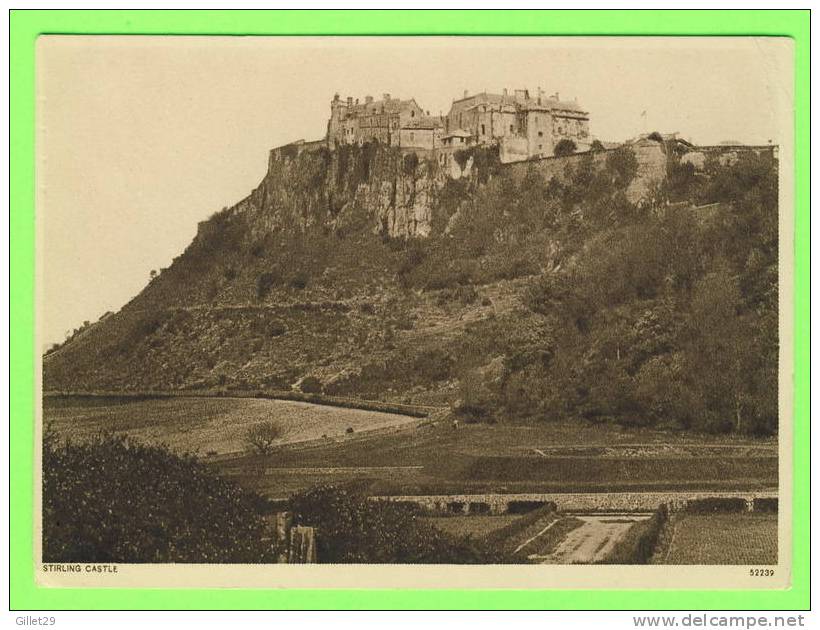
(596, 145)
(564, 147)
(263, 436)
(114, 500)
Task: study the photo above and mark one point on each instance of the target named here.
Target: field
(390, 454)
(394, 454)
(740, 538)
(567, 456)
(207, 426)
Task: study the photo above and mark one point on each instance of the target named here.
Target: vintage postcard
(418, 312)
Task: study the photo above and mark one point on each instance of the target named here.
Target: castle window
(511, 128)
(411, 137)
(412, 114)
(540, 134)
(483, 130)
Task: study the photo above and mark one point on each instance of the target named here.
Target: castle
(520, 124)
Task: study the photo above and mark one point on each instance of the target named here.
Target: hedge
(640, 540)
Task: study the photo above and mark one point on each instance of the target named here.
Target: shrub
(433, 364)
(524, 507)
(355, 529)
(564, 147)
(263, 436)
(465, 294)
(765, 504)
(475, 401)
(311, 385)
(299, 280)
(640, 540)
(410, 163)
(716, 504)
(504, 538)
(264, 284)
(114, 500)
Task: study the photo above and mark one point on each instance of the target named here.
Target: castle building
(520, 124)
(424, 132)
(356, 123)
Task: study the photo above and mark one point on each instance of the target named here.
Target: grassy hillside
(530, 298)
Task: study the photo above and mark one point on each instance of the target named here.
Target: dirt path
(594, 539)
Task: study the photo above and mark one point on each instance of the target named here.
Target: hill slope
(537, 288)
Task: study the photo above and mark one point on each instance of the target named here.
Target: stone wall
(569, 502)
(651, 168)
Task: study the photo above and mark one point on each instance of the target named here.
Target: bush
(765, 504)
(433, 364)
(564, 147)
(311, 385)
(504, 538)
(264, 284)
(640, 540)
(355, 529)
(716, 504)
(263, 436)
(299, 280)
(525, 507)
(114, 500)
(410, 163)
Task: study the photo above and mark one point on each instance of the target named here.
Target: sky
(139, 138)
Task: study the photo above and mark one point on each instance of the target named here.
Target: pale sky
(139, 138)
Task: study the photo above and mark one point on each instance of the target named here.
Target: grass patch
(746, 538)
(474, 526)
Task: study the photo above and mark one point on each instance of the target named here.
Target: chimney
(350, 101)
(368, 99)
(386, 96)
(357, 101)
(336, 97)
(465, 93)
(504, 92)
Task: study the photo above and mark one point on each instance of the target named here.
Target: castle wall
(513, 149)
(651, 167)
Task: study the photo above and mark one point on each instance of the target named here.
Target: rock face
(302, 278)
(392, 190)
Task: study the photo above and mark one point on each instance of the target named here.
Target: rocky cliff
(315, 276)
(394, 191)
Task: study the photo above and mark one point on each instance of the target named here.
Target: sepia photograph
(463, 312)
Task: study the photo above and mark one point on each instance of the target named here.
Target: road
(592, 541)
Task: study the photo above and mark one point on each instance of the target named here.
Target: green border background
(25, 26)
